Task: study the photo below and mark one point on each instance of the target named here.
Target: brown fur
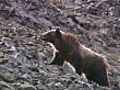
(104, 61)
(71, 39)
(81, 58)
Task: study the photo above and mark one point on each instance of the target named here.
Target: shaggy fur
(80, 57)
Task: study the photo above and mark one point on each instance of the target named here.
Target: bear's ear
(58, 33)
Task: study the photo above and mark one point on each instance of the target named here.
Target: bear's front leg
(57, 59)
(76, 62)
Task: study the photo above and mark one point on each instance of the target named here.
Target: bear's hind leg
(99, 76)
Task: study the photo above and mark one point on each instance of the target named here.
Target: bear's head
(55, 34)
(63, 42)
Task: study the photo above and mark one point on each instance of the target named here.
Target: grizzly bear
(84, 60)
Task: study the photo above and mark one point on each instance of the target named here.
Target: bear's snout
(43, 37)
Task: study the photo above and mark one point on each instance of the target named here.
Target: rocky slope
(24, 57)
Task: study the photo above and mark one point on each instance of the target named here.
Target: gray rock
(96, 22)
(7, 77)
(41, 87)
(5, 86)
(119, 84)
(27, 87)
